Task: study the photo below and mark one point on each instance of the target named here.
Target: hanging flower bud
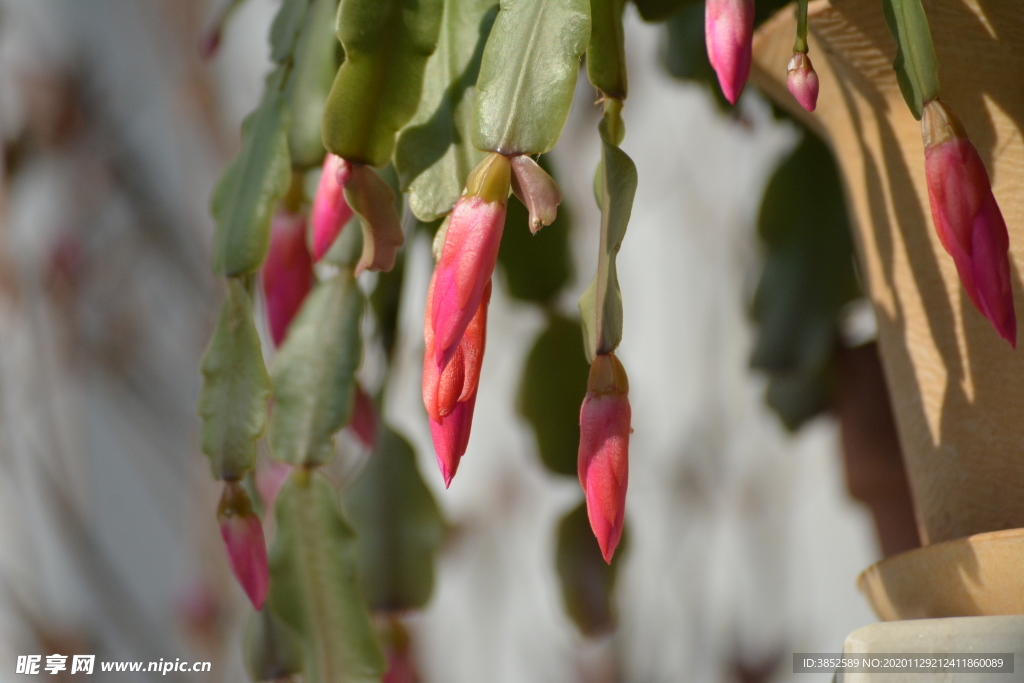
(967, 218)
(364, 419)
(802, 80)
(603, 460)
(450, 395)
(330, 210)
(469, 254)
(729, 32)
(243, 537)
(287, 272)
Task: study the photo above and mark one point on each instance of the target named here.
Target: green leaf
(606, 53)
(551, 393)
(528, 74)
(377, 88)
(601, 303)
(314, 587)
(434, 154)
(587, 581)
(244, 200)
(314, 373)
(808, 279)
(273, 651)
(233, 401)
(537, 266)
(399, 526)
(916, 66)
(284, 32)
(316, 63)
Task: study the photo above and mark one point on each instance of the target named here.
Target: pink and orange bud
(243, 538)
(729, 32)
(967, 218)
(364, 418)
(287, 272)
(449, 395)
(604, 450)
(330, 210)
(469, 255)
(802, 80)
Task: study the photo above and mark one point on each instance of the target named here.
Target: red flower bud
(469, 255)
(802, 80)
(729, 32)
(604, 450)
(330, 210)
(967, 218)
(287, 272)
(364, 419)
(243, 538)
(450, 395)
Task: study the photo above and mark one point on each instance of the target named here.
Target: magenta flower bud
(802, 80)
(330, 210)
(603, 460)
(287, 272)
(967, 218)
(243, 538)
(729, 32)
(270, 476)
(469, 255)
(449, 395)
(364, 419)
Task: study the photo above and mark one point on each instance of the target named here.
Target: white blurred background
(744, 544)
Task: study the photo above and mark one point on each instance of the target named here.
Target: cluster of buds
(243, 538)
(603, 459)
(967, 219)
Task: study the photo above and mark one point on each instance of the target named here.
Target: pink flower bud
(802, 80)
(449, 395)
(270, 476)
(604, 450)
(469, 254)
(243, 538)
(729, 32)
(287, 272)
(967, 218)
(330, 210)
(364, 419)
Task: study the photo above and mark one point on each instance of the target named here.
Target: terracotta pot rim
(966, 576)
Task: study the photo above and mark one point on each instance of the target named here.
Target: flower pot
(957, 388)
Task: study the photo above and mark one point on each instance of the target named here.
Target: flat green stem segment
(800, 45)
(314, 587)
(377, 89)
(434, 153)
(601, 303)
(528, 74)
(399, 525)
(314, 373)
(244, 200)
(373, 201)
(272, 650)
(315, 63)
(606, 53)
(233, 401)
(917, 67)
(287, 26)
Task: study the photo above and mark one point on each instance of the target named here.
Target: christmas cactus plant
(385, 117)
